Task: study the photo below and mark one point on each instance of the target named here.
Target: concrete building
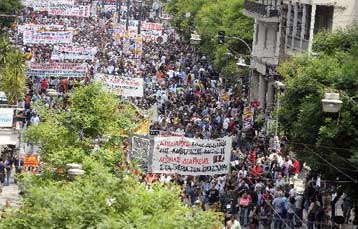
(287, 27)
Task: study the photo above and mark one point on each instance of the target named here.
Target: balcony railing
(266, 8)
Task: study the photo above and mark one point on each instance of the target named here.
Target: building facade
(287, 27)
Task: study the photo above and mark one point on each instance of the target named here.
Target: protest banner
(141, 151)
(151, 26)
(138, 50)
(189, 156)
(44, 5)
(69, 11)
(6, 117)
(247, 118)
(63, 37)
(129, 87)
(73, 53)
(170, 134)
(31, 161)
(42, 28)
(56, 70)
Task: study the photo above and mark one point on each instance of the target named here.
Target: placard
(6, 117)
(140, 151)
(124, 86)
(189, 156)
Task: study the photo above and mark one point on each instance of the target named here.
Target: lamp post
(140, 16)
(279, 86)
(118, 6)
(128, 14)
(74, 170)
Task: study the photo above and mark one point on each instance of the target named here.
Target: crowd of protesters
(192, 98)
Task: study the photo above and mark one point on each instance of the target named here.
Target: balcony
(262, 8)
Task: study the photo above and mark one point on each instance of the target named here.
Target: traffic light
(221, 37)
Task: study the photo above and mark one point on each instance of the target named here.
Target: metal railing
(266, 8)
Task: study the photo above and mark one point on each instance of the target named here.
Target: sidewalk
(10, 195)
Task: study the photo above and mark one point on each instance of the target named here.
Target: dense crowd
(192, 98)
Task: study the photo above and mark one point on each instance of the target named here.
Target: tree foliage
(8, 7)
(107, 196)
(315, 134)
(12, 72)
(208, 17)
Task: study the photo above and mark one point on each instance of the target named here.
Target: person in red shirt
(257, 170)
(296, 166)
(252, 157)
(27, 102)
(44, 85)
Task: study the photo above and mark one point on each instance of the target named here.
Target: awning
(8, 137)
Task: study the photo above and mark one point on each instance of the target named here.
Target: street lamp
(75, 170)
(331, 103)
(140, 16)
(241, 62)
(279, 86)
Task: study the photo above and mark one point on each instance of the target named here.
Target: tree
(327, 142)
(208, 17)
(12, 72)
(107, 196)
(7, 9)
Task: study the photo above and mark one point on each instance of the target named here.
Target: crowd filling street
(193, 99)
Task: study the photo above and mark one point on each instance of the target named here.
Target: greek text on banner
(188, 156)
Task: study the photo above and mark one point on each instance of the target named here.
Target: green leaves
(12, 72)
(8, 7)
(333, 136)
(52, 201)
(208, 17)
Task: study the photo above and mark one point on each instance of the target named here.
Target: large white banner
(62, 37)
(56, 70)
(42, 28)
(70, 11)
(42, 5)
(188, 156)
(124, 86)
(73, 53)
(6, 117)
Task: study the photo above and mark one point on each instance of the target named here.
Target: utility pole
(140, 16)
(118, 6)
(128, 14)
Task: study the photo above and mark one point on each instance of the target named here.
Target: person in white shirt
(35, 120)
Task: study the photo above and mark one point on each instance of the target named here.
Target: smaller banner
(63, 37)
(140, 151)
(69, 11)
(129, 87)
(6, 117)
(151, 26)
(248, 117)
(171, 134)
(31, 161)
(41, 28)
(41, 4)
(189, 156)
(56, 70)
(73, 53)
